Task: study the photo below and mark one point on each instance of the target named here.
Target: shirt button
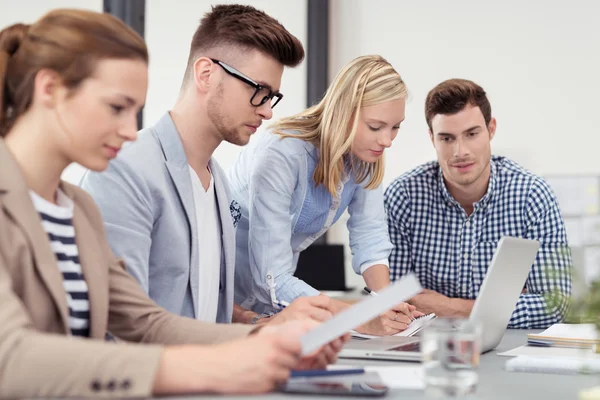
(96, 386)
(466, 256)
(468, 223)
(111, 385)
(126, 384)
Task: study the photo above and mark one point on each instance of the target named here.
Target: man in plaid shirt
(446, 217)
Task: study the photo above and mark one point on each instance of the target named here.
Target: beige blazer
(37, 357)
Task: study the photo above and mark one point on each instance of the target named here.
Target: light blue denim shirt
(283, 213)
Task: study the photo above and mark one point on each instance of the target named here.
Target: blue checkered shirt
(450, 251)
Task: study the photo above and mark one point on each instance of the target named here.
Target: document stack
(582, 336)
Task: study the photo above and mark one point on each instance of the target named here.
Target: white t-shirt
(209, 248)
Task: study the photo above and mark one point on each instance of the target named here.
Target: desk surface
(494, 381)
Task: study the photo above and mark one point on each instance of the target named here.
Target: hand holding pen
(397, 319)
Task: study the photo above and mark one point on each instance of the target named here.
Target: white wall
(169, 31)
(28, 12)
(537, 60)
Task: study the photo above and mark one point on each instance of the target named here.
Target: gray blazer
(147, 204)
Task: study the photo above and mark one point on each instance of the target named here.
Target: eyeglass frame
(257, 86)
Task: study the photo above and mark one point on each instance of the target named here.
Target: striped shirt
(57, 220)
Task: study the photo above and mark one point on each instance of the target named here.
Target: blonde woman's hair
(364, 82)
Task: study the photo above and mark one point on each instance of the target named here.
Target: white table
(494, 381)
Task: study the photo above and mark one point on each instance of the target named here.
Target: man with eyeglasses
(165, 200)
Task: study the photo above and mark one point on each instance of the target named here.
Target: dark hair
(247, 28)
(69, 42)
(453, 95)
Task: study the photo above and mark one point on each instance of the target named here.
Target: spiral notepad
(414, 328)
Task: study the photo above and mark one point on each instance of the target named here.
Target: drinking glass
(450, 349)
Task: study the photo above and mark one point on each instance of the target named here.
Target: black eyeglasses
(261, 95)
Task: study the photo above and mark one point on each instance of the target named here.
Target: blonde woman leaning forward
(71, 86)
(294, 181)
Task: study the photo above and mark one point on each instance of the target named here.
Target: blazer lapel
(177, 165)
(18, 204)
(94, 271)
(227, 229)
(182, 180)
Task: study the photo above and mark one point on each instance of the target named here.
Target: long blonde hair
(364, 82)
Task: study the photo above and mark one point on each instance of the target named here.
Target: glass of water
(450, 349)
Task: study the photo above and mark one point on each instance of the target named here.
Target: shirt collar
(484, 200)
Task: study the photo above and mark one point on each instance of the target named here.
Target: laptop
(498, 296)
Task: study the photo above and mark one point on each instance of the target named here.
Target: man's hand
(430, 301)
(318, 308)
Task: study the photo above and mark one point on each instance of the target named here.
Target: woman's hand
(391, 322)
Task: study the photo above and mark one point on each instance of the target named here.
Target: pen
(374, 293)
(326, 372)
(282, 303)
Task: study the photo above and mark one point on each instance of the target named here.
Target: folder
(565, 335)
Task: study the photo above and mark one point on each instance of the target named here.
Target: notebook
(415, 327)
(565, 335)
(549, 365)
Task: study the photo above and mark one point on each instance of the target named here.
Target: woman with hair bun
(71, 86)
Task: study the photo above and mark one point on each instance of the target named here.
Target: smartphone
(335, 388)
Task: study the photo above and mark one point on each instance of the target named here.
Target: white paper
(360, 312)
(569, 331)
(404, 377)
(396, 377)
(547, 365)
(552, 352)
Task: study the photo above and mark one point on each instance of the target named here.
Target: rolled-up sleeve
(397, 205)
(550, 276)
(272, 182)
(369, 240)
